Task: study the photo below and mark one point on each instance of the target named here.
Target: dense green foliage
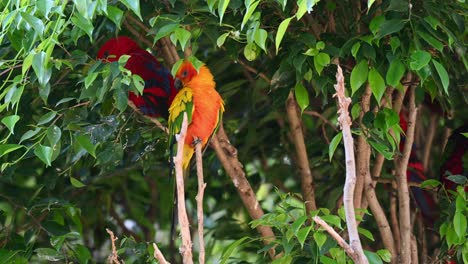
(75, 160)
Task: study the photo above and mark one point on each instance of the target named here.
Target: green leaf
(44, 153)
(377, 84)
(431, 40)
(355, 49)
(222, 6)
(369, 4)
(366, 233)
(281, 30)
(320, 61)
(44, 7)
(372, 257)
(7, 148)
(443, 75)
(419, 59)
(297, 224)
(48, 254)
(165, 31)
(230, 249)
(250, 9)
(86, 143)
(133, 5)
(394, 43)
(115, 15)
(332, 220)
(334, 144)
(285, 259)
(82, 253)
(54, 134)
(390, 26)
(176, 67)
(384, 254)
(29, 134)
(76, 183)
(221, 39)
(139, 83)
(249, 52)
(459, 224)
(430, 183)
(89, 79)
(460, 204)
(395, 72)
(83, 24)
(301, 95)
(260, 38)
(320, 238)
(40, 67)
(46, 118)
(183, 36)
(359, 75)
(34, 22)
(10, 122)
(302, 234)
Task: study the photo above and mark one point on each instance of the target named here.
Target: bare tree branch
(227, 155)
(295, 125)
(403, 192)
(362, 150)
(348, 192)
(186, 247)
(159, 255)
(199, 198)
(341, 242)
(113, 257)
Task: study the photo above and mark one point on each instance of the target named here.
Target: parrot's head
(185, 73)
(116, 47)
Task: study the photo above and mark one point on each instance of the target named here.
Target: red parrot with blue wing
(159, 90)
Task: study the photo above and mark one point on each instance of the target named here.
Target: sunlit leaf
(359, 75)
(377, 84)
(281, 30)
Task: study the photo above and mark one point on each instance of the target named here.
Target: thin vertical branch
(113, 257)
(394, 217)
(348, 195)
(340, 240)
(428, 140)
(186, 247)
(403, 192)
(362, 150)
(199, 198)
(297, 136)
(227, 155)
(159, 255)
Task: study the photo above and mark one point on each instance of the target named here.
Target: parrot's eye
(184, 74)
(106, 54)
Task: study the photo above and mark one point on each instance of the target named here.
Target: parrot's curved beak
(177, 83)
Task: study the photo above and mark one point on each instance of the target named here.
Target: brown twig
(199, 198)
(348, 192)
(428, 140)
(159, 255)
(186, 247)
(414, 250)
(321, 117)
(227, 155)
(297, 136)
(403, 193)
(152, 119)
(394, 218)
(253, 70)
(362, 150)
(113, 257)
(341, 242)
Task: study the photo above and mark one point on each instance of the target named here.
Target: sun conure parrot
(455, 158)
(159, 90)
(415, 174)
(204, 107)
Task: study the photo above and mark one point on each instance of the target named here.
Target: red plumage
(159, 90)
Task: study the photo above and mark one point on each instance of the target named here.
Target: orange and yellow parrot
(204, 107)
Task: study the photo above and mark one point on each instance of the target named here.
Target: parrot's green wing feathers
(183, 103)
